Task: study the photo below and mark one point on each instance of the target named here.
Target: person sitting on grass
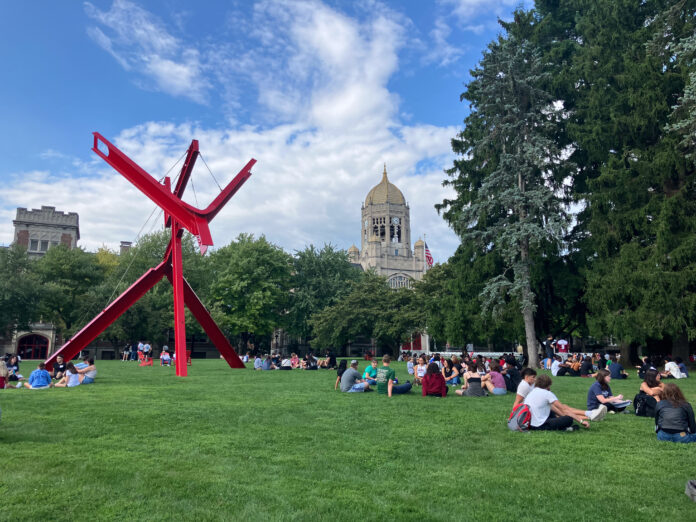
(421, 369)
(674, 416)
(586, 368)
(165, 358)
(294, 361)
(511, 373)
(494, 380)
(4, 375)
(58, 368)
(434, 384)
(258, 362)
(310, 362)
(682, 367)
(472, 381)
(13, 368)
(268, 363)
(652, 385)
(386, 378)
(351, 381)
(89, 372)
(370, 374)
(672, 370)
(285, 364)
(39, 378)
(548, 413)
(525, 386)
(450, 373)
(340, 371)
(410, 365)
(615, 369)
(71, 377)
(600, 394)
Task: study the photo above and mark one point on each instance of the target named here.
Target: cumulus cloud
(140, 42)
(321, 77)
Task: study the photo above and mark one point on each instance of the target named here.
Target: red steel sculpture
(178, 215)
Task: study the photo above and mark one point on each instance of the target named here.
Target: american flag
(428, 256)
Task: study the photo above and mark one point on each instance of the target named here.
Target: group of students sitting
(66, 375)
(674, 416)
(276, 362)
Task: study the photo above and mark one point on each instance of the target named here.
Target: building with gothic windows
(385, 237)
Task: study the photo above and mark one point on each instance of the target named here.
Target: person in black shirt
(674, 417)
(58, 368)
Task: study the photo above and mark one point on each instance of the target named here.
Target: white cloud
(140, 42)
(330, 123)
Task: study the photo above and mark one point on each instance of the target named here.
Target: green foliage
(19, 290)
(371, 309)
(251, 285)
(68, 280)
(274, 446)
(320, 279)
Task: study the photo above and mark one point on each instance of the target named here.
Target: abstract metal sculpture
(178, 215)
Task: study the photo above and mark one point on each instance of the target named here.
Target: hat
(353, 362)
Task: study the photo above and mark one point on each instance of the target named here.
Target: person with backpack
(645, 402)
(674, 416)
(549, 414)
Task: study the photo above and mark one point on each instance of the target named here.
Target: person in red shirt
(434, 384)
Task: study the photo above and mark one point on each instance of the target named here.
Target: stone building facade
(385, 237)
(39, 229)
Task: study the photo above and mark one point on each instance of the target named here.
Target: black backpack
(644, 405)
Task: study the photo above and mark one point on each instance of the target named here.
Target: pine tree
(509, 178)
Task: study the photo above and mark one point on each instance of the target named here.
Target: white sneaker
(598, 413)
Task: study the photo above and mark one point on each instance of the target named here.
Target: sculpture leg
(179, 316)
(210, 327)
(107, 316)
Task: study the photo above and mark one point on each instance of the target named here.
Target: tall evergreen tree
(509, 179)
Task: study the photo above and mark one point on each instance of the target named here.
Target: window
(44, 245)
(34, 245)
(396, 251)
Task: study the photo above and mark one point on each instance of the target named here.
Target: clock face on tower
(395, 220)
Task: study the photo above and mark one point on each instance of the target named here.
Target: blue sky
(322, 94)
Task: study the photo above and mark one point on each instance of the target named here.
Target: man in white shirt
(672, 369)
(525, 386)
(548, 413)
(555, 365)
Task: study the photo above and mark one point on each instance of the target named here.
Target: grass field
(227, 444)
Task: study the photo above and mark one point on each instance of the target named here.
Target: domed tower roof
(353, 249)
(419, 243)
(385, 192)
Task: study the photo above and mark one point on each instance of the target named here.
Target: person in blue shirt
(615, 369)
(39, 378)
(682, 366)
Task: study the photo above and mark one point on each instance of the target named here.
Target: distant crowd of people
(535, 403)
(63, 375)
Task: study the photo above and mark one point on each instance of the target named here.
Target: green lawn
(227, 444)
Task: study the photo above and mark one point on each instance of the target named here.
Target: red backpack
(520, 418)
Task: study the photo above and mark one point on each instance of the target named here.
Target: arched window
(32, 346)
(399, 281)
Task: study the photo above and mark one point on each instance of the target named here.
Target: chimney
(125, 246)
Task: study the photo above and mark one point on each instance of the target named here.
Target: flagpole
(425, 265)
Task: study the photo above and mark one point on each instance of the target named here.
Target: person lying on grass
(434, 384)
(525, 386)
(351, 381)
(385, 380)
(39, 378)
(600, 394)
(548, 413)
(674, 416)
(71, 377)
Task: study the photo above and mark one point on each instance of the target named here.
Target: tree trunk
(528, 305)
(530, 333)
(680, 346)
(629, 354)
